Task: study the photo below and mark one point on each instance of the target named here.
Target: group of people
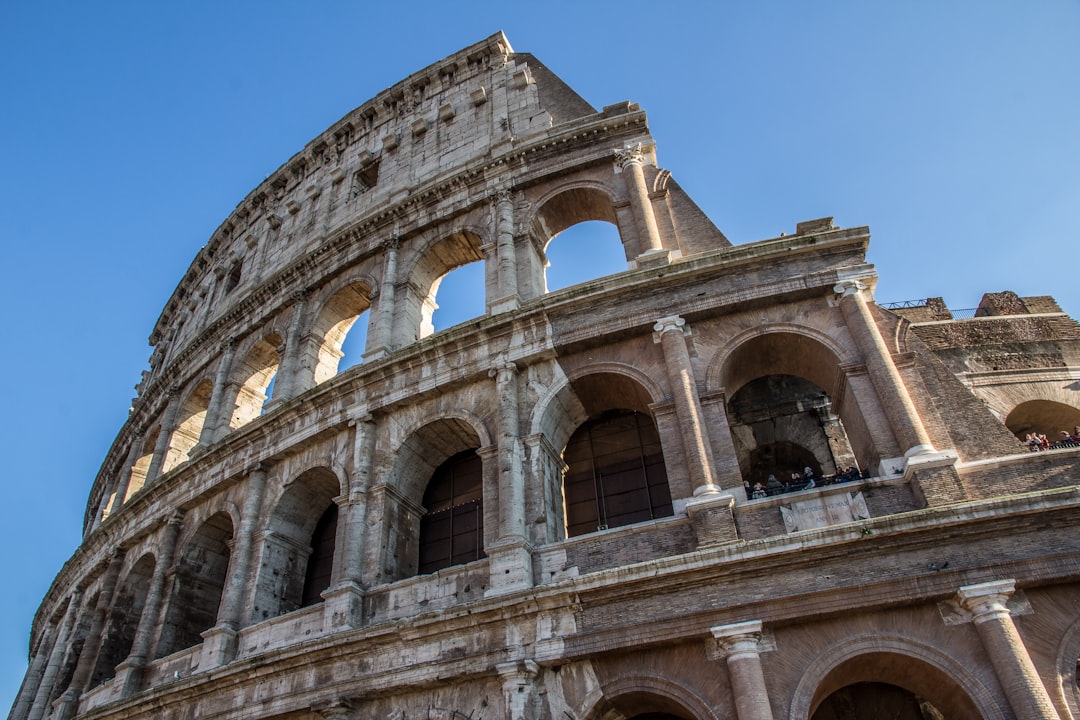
(1037, 441)
(798, 481)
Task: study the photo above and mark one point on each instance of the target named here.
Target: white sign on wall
(823, 511)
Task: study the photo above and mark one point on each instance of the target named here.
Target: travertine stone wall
(185, 598)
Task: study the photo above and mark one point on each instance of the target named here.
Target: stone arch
(197, 585)
(611, 396)
(561, 409)
(331, 324)
(906, 663)
(288, 542)
(1047, 417)
(569, 205)
(632, 695)
(189, 425)
(119, 633)
(252, 378)
(572, 203)
(1068, 670)
(432, 261)
(142, 462)
(416, 459)
(792, 356)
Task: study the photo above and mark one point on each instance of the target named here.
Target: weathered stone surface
(538, 513)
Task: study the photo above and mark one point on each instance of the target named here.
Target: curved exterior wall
(949, 569)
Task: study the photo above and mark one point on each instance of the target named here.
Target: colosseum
(721, 483)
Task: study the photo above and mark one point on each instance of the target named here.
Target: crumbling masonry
(541, 513)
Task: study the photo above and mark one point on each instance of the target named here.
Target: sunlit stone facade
(553, 510)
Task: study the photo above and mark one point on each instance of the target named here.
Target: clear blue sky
(129, 131)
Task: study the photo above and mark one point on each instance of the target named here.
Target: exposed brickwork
(971, 428)
(214, 518)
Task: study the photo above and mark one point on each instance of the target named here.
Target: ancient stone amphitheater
(562, 509)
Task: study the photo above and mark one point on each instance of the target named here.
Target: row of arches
(614, 473)
(615, 452)
(336, 327)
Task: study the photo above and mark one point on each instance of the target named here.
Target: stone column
(504, 234)
(32, 679)
(125, 475)
(384, 325)
(740, 645)
(129, 673)
(343, 606)
(161, 447)
(56, 659)
(212, 431)
(894, 398)
(670, 333)
(1012, 663)
(510, 557)
(289, 382)
(84, 669)
(219, 642)
(631, 159)
(519, 688)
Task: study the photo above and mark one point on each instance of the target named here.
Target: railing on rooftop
(903, 304)
(960, 314)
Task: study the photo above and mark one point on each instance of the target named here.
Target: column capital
(392, 243)
(630, 154)
(517, 671)
(364, 417)
(504, 195)
(671, 322)
(986, 601)
(738, 639)
(503, 370)
(847, 288)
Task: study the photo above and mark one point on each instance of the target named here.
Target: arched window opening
(644, 705)
(340, 332)
(872, 700)
(892, 685)
(460, 295)
(795, 377)
(298, 552)
(583, 252)
(1043, 417)
(232, 280)
(197, 586)
(453, 270)
(782, 425)
(142, 463)
(255, 375)
(355, 343)
(615, 473)
(452, 527)
(189, 426)
(123, 620)
(320, 564)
